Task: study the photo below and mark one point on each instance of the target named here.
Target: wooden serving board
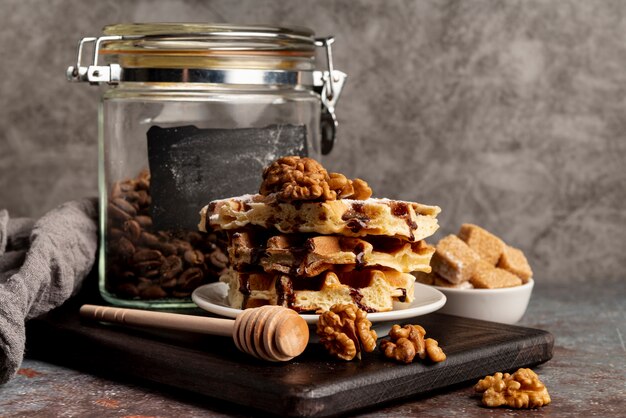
(311, 385)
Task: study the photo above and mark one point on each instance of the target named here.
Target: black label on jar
(189, 167)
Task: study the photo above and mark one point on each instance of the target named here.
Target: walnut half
(407, 342)
(522, 389)
(296, 178)
(345, 330)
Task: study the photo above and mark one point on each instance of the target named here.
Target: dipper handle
(192, 323)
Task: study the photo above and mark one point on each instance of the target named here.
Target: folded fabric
(42, 264)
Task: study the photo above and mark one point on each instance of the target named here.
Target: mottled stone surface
(509, 114)
(584, 378)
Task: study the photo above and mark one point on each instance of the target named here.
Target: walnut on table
(522, 389)
(435, 353)
(345, 331)
(296, 178)
(408, 342)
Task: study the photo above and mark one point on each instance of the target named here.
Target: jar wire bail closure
(327, 83)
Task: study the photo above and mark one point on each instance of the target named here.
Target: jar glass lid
(215, 54)
(220, 37)
(208, 46)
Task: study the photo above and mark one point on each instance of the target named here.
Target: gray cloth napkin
(42, 264)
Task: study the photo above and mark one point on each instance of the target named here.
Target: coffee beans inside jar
(144, 263)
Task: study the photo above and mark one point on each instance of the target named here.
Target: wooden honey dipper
(272, 333)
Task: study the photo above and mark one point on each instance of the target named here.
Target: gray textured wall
(509, 114)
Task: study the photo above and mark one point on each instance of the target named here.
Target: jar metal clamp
(327, 83)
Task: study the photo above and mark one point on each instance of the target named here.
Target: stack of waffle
(309, 254)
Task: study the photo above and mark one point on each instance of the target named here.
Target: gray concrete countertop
(586, 376)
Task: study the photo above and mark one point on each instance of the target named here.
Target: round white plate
(213, 298)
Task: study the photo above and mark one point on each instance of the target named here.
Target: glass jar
(192, 113)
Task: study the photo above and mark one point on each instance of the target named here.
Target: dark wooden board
(311, 385)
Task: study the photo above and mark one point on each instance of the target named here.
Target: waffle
(306, 255)
(354, 218)
(373, 290)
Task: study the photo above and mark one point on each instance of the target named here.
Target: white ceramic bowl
(505, 305)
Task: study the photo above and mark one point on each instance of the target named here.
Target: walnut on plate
(522, 389)
(296, 178)
(345, 331)
(407, 342)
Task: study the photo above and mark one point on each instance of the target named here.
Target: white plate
(213, 298)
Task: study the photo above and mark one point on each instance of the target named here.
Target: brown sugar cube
(454, 260)
(434, 280)
(487, 245)
(514, 261)
(487, 276)
(424, 278)
(441, 282)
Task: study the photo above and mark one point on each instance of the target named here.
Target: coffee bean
(116, 190)
(166, 248)
(127, 186)
(144, 174)
(153, 273)
(182, 246)
(133, 229)
(144, 254)
(131, 196)
(194, 237)
(171, 267)
(194, 257)
(180, 294)
(148, 268)
(114, 234)
(153, 292)
(142, 184)
(219, 259)
(125, 206)
(143, 283)
(149, 240)
(168, 283)
(126, 290)
(143, 198)
(144, 221)
(125, 248)
(190, 278)
(117, 213)
(164, 235)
